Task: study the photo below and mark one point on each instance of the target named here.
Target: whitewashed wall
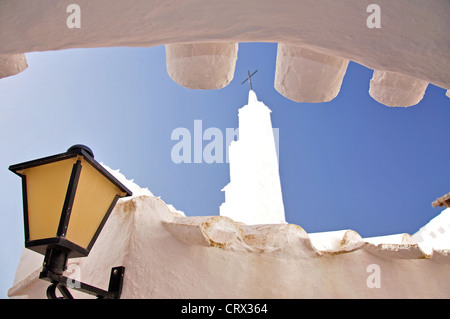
(168, 255)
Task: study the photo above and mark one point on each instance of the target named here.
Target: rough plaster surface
(303, 75)
(203, 66)
(169, 255)
(12, 64)
(413, 39)
(394, 89)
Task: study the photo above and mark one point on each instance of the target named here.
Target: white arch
(413, 40)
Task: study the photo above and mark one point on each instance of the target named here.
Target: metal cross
(249, 78)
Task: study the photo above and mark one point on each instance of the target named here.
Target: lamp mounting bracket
(62, 283)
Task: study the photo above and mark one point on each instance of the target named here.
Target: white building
(254, 195)
(436, 233)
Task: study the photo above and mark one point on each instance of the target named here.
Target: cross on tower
(249, 78)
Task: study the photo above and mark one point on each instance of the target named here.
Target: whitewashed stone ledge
(304, 75)
(204, 66)
(393, 89)
(12, 64)
(223, 232)
(335, 242)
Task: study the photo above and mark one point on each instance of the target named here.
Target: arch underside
(316, 40)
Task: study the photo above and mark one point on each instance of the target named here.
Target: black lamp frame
(59, 240)
(58, 249)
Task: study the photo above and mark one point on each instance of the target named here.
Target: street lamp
(67, 199)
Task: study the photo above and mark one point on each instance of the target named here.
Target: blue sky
(351, 163)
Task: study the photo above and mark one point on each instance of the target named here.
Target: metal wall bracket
(60, 282)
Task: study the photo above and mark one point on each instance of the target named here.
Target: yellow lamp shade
(67, 200)
(46, 188)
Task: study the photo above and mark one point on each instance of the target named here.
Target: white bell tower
(253, 195)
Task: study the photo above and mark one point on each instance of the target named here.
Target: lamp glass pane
(93, 198)
(46, 190)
